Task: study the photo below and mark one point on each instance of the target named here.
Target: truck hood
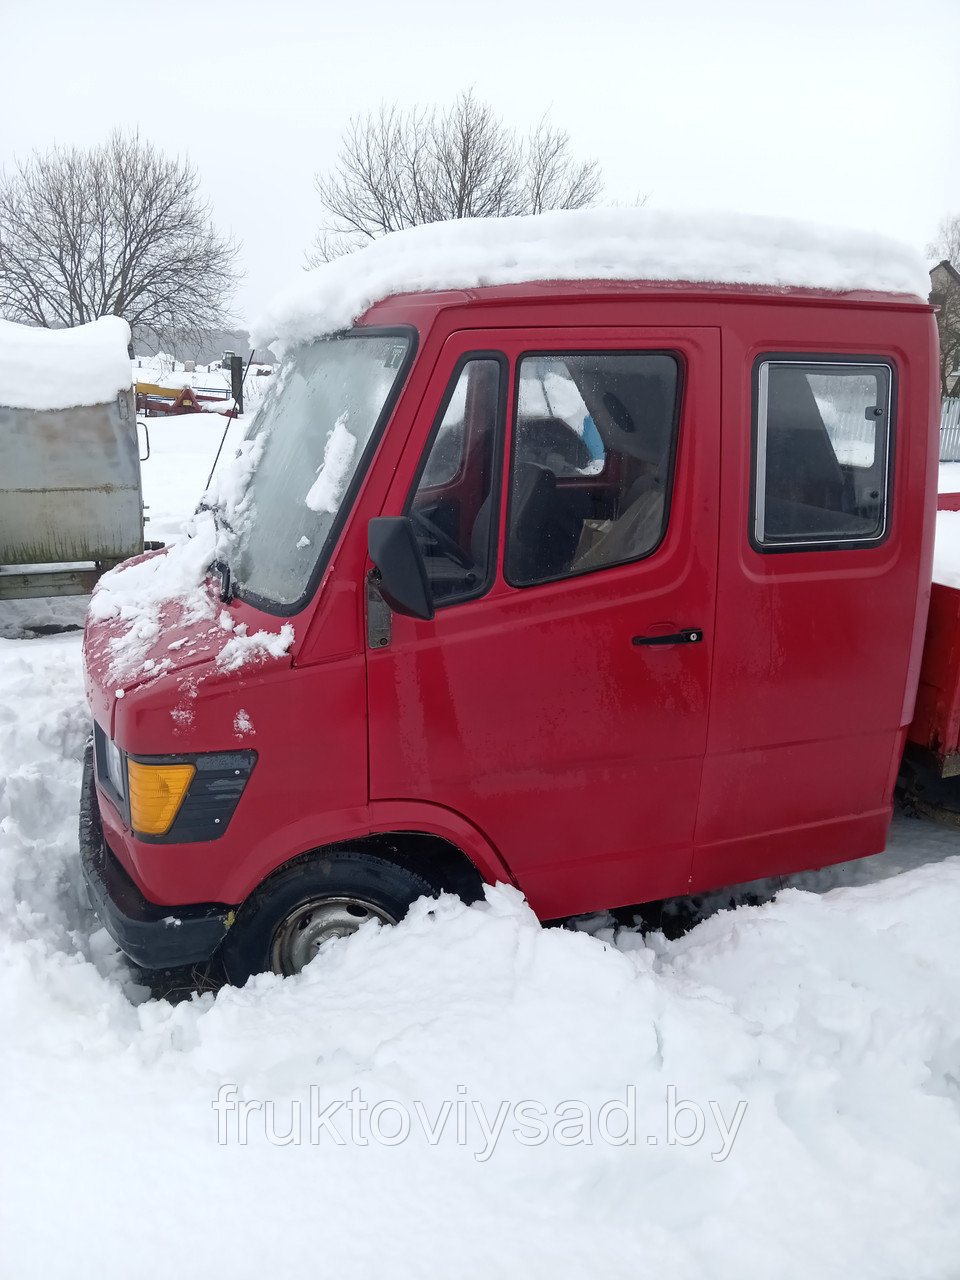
(159, 617)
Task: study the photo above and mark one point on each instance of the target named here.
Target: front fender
(315, 831)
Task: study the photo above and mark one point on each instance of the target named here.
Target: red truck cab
(613, 590)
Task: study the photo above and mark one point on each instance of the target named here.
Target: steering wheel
(442, 541)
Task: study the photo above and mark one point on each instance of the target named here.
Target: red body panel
(936, 724)
(532, 710)
(816, 651)
(523, 727)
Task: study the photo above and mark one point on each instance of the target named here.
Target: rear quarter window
(822, 450)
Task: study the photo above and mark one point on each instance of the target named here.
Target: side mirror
(403, 575)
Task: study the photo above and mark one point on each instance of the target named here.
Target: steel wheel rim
(300, 936)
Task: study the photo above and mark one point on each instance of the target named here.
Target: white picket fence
(950, 431)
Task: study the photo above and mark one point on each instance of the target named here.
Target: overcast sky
(844, 111)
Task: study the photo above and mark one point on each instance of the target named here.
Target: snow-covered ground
(547, 1085)
(946, 558)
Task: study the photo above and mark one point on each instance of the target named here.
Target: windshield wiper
(216, 510)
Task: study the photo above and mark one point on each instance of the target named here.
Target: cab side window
(822, 448)
(593, 451)
(453, 503)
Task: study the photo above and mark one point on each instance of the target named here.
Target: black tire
(325, 895)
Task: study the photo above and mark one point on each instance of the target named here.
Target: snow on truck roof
(592, 244)
(61, 368)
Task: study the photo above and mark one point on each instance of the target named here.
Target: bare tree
(116, 230)
(945, 279)
(946, 245)
(397, 170)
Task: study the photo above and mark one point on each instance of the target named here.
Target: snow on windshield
(591, 244)
(310, 457)
(333, 473)
(60, 368)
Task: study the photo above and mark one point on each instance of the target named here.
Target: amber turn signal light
(156, 792)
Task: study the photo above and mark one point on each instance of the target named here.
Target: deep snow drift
(832, 1016)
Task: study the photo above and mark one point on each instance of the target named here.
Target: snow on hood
(591, 244)
(133, 595)
(60, 368)
(144, 600)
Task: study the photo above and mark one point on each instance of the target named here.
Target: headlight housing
(172, 799)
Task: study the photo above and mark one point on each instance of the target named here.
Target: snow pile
(946, 550)
(326, 492)
(242, 649)
(592, 244)
(775, 1094)
(137, 593)
(60, 368)
(229, 487)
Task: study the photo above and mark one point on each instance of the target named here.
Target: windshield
(313, 432)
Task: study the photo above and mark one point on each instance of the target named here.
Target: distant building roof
(948, 268)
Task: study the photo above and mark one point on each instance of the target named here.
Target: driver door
(550, 702)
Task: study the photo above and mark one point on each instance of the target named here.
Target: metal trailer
(71, 503)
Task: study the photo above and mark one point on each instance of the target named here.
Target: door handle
(689, 635)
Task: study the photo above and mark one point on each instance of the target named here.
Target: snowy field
(774, 1094)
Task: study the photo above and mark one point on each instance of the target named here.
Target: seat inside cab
(592, 454)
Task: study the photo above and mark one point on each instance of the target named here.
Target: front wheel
(283, 924)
